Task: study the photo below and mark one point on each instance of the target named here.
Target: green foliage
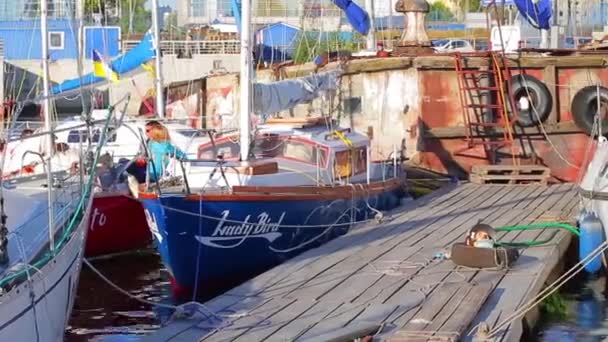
(475, 6)
(140, 18)
(440, 12)
(554, 307)
(97, 6)
(311, 44)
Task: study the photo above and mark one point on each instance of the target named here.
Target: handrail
(196, 47)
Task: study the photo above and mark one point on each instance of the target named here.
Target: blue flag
(357, 17)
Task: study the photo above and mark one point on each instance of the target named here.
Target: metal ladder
(482, 118)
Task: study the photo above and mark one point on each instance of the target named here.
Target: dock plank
(511, 216)
(525, 279)
(394, 249)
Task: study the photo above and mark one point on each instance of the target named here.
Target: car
(455, 45)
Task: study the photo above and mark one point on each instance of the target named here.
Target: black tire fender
(539, 104)
(584, 108)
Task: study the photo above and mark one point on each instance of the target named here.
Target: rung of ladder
(481, 105)
(486, 124)
(476, 72)
(481, 88)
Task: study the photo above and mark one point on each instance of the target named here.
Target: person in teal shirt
(161, 150)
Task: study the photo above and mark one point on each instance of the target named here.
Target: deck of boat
(387, 275)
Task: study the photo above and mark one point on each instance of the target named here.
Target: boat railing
(187, 48)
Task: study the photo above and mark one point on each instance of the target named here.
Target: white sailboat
(43, 227)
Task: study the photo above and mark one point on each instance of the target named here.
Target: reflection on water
(585, 320)
(102, 314)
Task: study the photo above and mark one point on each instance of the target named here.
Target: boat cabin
(297, 151)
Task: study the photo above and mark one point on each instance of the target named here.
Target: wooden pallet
(509, 174)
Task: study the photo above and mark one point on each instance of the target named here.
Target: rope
(544, 132)
(342, 137)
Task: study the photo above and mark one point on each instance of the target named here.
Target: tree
(135, 18)
(440, 12)
(98, 6)
(132, 17)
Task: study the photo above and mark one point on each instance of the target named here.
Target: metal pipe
(318, 166)
(158, 76)
(369, 163)
(245, 76)
(371, 37)
(394, 160)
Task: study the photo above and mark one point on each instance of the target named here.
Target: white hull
(594, 185)
(54, 291)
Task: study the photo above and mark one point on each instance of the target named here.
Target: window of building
(224, 8)
(56, 40)
(198, 8)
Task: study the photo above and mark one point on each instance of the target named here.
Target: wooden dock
(387, 280)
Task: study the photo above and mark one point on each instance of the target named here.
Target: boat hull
(240, 236)
(54, 291)
(117, 224)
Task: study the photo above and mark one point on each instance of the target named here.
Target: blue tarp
(357, 17)
(537, 12)
(133, 59)
(236, 10)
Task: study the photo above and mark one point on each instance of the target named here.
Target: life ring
(532, 99)
(584, 108)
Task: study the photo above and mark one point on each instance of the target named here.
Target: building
(21, 40)
(28, 9)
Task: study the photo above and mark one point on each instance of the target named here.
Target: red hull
(117, 224)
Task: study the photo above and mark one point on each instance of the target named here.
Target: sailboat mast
(80, 47)
(245, 76)
(158, 76)
(47, 115)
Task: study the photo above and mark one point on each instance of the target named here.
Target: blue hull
(211, 245)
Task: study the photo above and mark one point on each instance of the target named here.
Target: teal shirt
(160, 153)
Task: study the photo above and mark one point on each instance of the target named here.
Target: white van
(511, 36)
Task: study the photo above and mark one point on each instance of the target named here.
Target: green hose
(570, 228)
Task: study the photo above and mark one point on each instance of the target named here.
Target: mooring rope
(549, 289)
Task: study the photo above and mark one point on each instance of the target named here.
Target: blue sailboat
(252, 201)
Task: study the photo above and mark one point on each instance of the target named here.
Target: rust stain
(440, 102)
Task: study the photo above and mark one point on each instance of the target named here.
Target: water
(586, 315)
(102, 314)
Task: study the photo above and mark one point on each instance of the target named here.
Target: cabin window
(304, 152)
(351, 162)
(56, 40)
(352, 105)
